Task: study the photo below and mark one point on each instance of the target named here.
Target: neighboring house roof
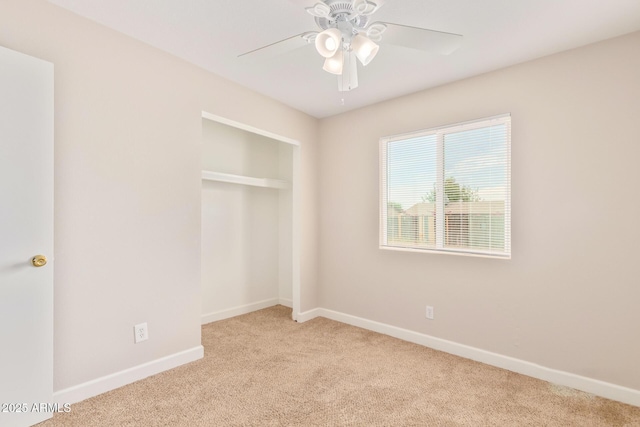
(482, 207)
(421, 209)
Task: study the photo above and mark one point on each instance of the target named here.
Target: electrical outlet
(429, 312)
(141, 333)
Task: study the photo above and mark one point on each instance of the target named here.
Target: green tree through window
(453, 192)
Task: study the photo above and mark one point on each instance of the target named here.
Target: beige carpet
(262, 369)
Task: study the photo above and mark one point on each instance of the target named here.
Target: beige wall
(568, 299)
(127, 187)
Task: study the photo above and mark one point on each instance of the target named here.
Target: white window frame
(440, 132)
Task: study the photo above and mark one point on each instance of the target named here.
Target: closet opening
(250, 250)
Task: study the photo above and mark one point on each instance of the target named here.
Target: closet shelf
(246, 180)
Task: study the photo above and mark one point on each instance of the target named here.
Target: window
(448, 189)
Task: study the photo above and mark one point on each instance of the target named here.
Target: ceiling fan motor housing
(342, 12)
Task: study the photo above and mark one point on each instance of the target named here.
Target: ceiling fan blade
(278, 48)
(420, 38)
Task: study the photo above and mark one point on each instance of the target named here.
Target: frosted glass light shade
(329, 42)
(334, 64)
(364, 48)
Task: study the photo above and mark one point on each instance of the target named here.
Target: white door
(26, 230)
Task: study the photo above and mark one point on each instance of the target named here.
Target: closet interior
(248, 239)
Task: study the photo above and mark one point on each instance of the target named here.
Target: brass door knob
(39, 260)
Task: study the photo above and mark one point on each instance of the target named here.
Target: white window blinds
(448, 189)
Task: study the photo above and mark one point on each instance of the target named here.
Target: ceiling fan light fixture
(329, 42)
(335, 64)
(364, 48)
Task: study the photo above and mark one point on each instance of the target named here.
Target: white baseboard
(286, 302)
(110, 382)
(589, 385)
(237, 311)
(308, 315)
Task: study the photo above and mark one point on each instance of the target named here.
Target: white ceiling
(497, 33)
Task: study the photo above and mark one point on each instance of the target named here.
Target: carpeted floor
(262, 369)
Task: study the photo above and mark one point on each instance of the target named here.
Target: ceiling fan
(347, 34)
